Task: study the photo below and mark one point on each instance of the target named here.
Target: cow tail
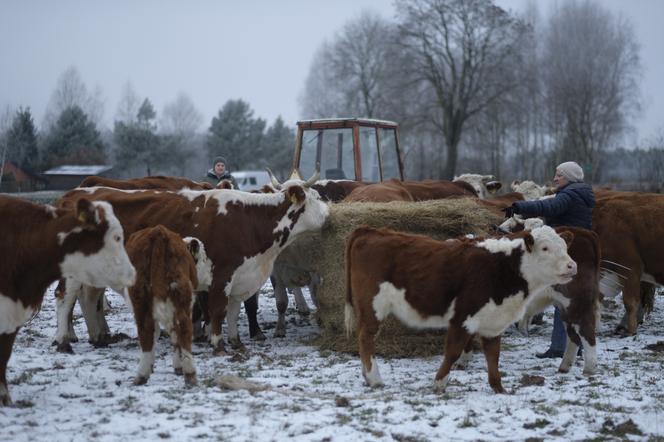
(349, 313)
(158, 256)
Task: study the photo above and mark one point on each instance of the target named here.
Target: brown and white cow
(530, 189)
(383, 192)
(578, 301)
(335, 190)
(427, 283)
(90, 298)
(484, 185)
(40, 244)
(243, 233)
(168, 270)
(149, 182)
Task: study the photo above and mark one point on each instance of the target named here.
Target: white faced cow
(40, 244)
(471, 286)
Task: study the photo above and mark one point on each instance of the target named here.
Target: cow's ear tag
(293, 199)
(83, 217)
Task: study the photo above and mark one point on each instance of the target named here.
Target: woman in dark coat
(571, 206)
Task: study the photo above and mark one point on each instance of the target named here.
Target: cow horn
(275, 182)
(311, 181)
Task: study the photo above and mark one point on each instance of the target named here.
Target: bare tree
(348, 75)
(462, 50)
(590, 76)
(128, 105)
(181, 116)
(179, 122)
(70, 92)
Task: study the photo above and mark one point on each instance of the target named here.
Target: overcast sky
(257, 50)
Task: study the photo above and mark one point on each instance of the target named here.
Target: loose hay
(440, 219)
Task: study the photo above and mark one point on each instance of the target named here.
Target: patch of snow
(314, 395)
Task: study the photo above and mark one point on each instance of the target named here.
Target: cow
(578, 301)
(40, 244)
(438, 189)
(395, 190)
(530, 189)
(629, 226)
(426, 283)
(243, 233)
(168, 270)
(386, 191)
(292, 271)
(484, 185)
(158, 182)
(336, 190)
(98, 330)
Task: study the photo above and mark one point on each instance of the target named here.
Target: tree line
(474, 88)
(141, 142)
(479, 89)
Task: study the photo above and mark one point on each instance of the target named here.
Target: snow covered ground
(311, 395)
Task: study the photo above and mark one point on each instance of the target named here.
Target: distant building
(18, 179)
(69, 176)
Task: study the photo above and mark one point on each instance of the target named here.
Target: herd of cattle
(164, 240)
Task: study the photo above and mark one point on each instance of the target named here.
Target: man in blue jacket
(571, 206)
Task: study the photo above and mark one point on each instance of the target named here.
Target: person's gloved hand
(509, 211)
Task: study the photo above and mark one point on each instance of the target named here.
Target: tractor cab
(348, 148)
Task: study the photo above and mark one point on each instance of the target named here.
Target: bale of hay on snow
(440, 219)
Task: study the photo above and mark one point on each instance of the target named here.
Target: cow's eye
(117, 238)
(545, 248)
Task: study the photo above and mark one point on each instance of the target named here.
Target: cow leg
(300, 302)
(313, 287)
(183, 359)
(455, 342)
(631, 298)
(281, 298)
(232, 314)
(251, 308)
(465, 357)
(217, 301)
(571, 349)
(491, 347)
(91, 300)
(200, 317)
(148, 333)
(6, 344)
(66, 294)
(587, 336)
(366, 336)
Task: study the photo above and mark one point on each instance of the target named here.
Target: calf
(40, 244)
(427, 283)
(168, 271)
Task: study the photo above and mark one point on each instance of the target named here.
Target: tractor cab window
(333, 149)
(369, 154)
(389, 154)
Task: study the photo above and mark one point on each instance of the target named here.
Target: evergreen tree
(73, 140)
(237, 135)
(22, 140)
(279, 143)
(137, 143)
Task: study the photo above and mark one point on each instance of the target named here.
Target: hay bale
(440, 219)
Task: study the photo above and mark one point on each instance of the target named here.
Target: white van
(249, 180)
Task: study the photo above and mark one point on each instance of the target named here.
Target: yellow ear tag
(82, 217)
(293, 199)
